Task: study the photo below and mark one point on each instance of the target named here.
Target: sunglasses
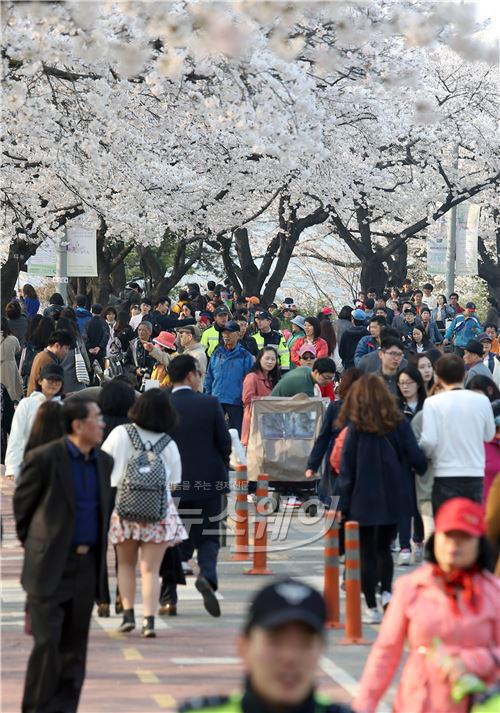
(308, 357)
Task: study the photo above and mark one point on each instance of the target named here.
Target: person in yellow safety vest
(212, 337)
(267, 337)
(281, 648)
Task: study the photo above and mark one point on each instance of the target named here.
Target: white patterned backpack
(142, 494)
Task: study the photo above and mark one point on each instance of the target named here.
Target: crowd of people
(116, 396)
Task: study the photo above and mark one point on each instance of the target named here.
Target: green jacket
(297, 381)
(233, 704)
(210, 339)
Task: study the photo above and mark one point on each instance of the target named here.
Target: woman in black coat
(373, 481)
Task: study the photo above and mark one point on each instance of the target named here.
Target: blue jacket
(225, 374)
(434, 334)
(462, 330)
(82, 317)
(365, 346)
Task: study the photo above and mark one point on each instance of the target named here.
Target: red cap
(460, 514)
(327, 310)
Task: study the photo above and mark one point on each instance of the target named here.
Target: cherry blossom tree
(199, 118)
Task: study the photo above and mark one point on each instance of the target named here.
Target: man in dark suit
(204, 443)
(61, 507)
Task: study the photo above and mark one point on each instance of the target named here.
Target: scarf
(460, 579)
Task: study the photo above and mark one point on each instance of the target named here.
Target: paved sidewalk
(194, 653)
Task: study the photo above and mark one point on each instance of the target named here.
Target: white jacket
(456, 425)
(119, 445)
(22, 422)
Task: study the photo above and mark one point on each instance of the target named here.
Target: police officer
(281, 646)
(212, 337)
(267, 337)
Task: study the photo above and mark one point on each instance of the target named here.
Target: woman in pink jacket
(312, 329)
(453, 599)
(259, 382)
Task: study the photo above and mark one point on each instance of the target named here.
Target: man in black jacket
(350, 338)
(61, 507)
(205, 483)
(163, 320)
(96, 335)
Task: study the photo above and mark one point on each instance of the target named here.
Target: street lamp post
(61, 277)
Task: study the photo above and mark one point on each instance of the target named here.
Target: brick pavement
(193, 654)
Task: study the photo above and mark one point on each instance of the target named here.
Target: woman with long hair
(485, 386)
(412, 396)
(152, 418)
(30, 300)
(74, 380)
(419, 341)
(372, 481)
(425, 366)
(312, 331)
(446, 615)
(342, 322)
(327, 333)
(9, 373)
(47, 426)
(260, 381)
(442, 312)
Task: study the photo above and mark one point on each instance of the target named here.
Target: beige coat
(11, 378)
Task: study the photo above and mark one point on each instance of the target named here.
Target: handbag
(82, 375)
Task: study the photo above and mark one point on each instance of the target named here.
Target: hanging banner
(82, 255)
(466, 240)
(437, 245)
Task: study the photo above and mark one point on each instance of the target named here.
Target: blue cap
(359, 315)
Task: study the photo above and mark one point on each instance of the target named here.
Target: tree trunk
(19, 252)
(373, 274)
(118, 279)
(182, 265)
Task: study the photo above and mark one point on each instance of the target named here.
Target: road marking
(132, 655)
(340, 676)
(164, 700)
(207, 661)
(147, 677)
(348, 683)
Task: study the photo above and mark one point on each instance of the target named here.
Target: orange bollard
(260, 536)
(332, 585)
(353, 626)
(241, 550)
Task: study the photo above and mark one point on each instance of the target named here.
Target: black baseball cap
(231, 326)
(474, 347)
(264, 315)
(52, 371)
(221, 310)
(284, 602)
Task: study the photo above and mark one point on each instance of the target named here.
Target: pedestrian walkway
(193, 654)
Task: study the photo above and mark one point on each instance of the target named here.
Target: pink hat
(306, 347)
(167, 340)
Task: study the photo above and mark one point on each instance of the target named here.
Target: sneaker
(128, 622)
(293, 502)
(395, 545)
(404, 558)
(372, 616)
(418, 552)
(209, 599)
(385, 598)
(186, 568)
(148, 627)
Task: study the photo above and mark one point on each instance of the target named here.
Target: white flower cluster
(190, 115)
